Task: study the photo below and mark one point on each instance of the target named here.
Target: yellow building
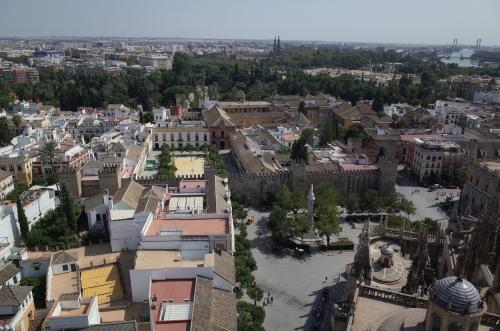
(180, 134)
(20, 167)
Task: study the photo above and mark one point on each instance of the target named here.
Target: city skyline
(329, 21)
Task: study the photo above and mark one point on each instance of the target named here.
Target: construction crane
(478, 43)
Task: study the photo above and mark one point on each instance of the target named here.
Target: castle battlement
(110, 169)
(68, 170)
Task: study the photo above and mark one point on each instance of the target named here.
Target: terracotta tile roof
(213, 309)
(224, 266)
(134, 152)
(93, 202)
(150, 199)
(216, 193)
(129, 194)
(7, 272)
(63, 257)
(202, 307)
(117, 147)
(14, 295)
(216, 116)
(4, 175)
(252, 164)
(224, 315)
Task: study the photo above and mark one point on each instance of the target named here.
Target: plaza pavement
(424, 201)
(294, 283)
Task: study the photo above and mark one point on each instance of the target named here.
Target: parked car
(250, 219)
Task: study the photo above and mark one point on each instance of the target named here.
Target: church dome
(457, 295)
(387, 250)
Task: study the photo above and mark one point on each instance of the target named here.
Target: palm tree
(48, 154)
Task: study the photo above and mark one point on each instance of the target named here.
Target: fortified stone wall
(256, 188)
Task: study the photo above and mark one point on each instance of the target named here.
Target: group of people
(268, 300)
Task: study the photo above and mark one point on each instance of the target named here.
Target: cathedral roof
(457, 295)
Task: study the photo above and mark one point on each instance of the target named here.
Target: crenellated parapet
(110, 169)
(68, 170)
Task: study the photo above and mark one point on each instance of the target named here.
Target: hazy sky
(404, 21)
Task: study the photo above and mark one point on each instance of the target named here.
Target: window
(222, 134)
(65, 267)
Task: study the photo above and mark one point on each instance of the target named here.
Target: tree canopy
(223, 78)
(326, 216)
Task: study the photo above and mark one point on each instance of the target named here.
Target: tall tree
(301, 225)
(352, 202)
(407, 206)
(279, 224)
(378, 102)
(325, 211)
(371, 201)
(5, 135)
(308, 136)
(48, 154)
(328, 133)
(300, 152)
(302, 108)
(23, 220)
(68, 207)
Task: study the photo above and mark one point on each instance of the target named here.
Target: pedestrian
(272, 299)
(326, 279)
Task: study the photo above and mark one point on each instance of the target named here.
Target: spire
(278, 45)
